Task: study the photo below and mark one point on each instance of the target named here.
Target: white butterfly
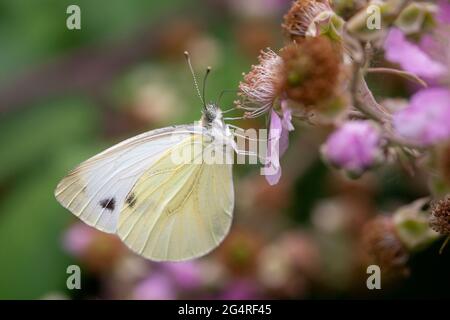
(161, 209)
(164, 211)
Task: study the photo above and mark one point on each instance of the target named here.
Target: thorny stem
(363, 99)
(401, 73)
(365, 102)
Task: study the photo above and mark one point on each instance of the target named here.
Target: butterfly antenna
(208, 70)
(188, 59)
(223, 92)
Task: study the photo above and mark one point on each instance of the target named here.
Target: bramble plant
(319, 77)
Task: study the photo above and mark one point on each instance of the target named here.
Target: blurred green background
(43, 135)
(68, 94)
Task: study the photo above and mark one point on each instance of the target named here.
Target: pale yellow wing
(95, 191)
(178, 211)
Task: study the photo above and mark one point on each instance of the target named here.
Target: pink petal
(410, 57)
(156, 287)
(284, 141)
(287, 126)
(278, 142)
(443, 15)
(275, 131)
(185, 274)
(78, 238)
(354, 147)
(426, 119)
(287, 116)
(273, 179)
(272, 170)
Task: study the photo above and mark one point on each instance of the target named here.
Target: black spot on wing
(109, 204)
(131, 200)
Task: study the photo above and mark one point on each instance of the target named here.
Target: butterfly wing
(96, 190)
(178, 211)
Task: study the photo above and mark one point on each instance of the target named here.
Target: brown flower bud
(440, 216)
(302, 15)
(311, 68)
(383, 247)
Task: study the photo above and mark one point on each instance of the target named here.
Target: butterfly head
(211, 113)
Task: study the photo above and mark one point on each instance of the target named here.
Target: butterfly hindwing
(178, 211)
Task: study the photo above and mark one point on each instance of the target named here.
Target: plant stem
(404, 74)
(363, 99)
(444, 245)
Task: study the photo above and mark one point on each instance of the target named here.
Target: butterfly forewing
(96, 190)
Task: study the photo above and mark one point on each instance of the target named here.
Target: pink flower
(354, 147)
(426, 120)
(286, 127)
(78, 238)
(240, 290)
(278, 142)
(272, 170)
(431, 57)
(443, 15)
(185, 274)
(156, 287)
(411, 57)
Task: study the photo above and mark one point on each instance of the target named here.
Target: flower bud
(439, 168)
(305, 16)
(383, 247)
(367, 24)
(347, 8)
(311, 70)
(96, 250)
(355, 147)
(415, 17)
(411, 225)
(440, 216)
